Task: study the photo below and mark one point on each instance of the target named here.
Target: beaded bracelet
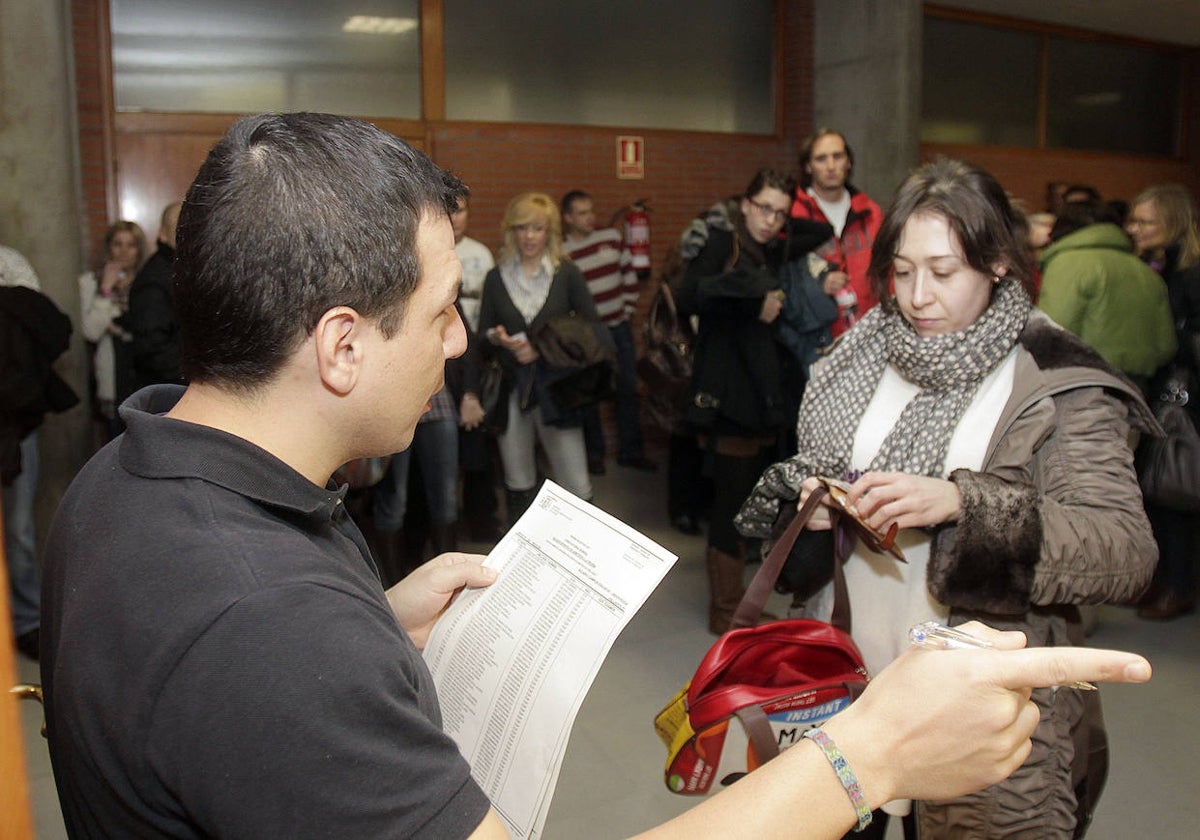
(844, 773)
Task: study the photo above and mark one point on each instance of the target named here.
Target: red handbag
(759, 688)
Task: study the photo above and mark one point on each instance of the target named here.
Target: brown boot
(725, 588)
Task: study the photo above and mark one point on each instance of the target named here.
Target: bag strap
(763, 583)
(656, 331)
(758, 726)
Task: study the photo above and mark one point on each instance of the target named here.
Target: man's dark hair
(1076, 215)
(767, 178)
(289, 216)
(1079, 193)
(806, 151)
(570, 198)
(976, 208)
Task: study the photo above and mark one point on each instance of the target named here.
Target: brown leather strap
(758, 730)
(840, 616)
(763, 583)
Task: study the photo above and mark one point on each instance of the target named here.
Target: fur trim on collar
(1052, 347)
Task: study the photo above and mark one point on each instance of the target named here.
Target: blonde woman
(104, 298)
(1164, 226)
(531, 283)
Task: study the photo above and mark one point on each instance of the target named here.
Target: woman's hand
(470, 412)
(911, 501)
(524, 351)
(972, 723)
(517, 344)
(113, 278)
(771, 306)
(820, 520)
(834, 281)
(420, 599)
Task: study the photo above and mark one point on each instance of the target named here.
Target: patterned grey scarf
(947, 368)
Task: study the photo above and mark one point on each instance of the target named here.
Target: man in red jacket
(825, 195)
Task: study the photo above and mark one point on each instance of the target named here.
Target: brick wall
(685, 171)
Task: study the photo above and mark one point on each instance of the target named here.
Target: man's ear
(339, 345)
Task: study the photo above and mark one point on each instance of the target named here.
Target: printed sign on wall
(631, 157)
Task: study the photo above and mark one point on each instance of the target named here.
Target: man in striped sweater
(604, 262)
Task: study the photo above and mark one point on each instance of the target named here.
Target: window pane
(1112, 98)
(689, 64)
(266, 55)
(979, 85)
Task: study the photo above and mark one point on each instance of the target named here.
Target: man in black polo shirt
(219, 656)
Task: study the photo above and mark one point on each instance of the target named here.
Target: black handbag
(491, 397)
(1169, 466)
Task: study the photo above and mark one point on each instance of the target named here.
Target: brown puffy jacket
(1052, 521)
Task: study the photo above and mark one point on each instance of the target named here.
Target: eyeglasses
(769, 212)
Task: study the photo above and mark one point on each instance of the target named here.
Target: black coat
(568, 293)
(736, 382)
(33, 333)
(151, 322)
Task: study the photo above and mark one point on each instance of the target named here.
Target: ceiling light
(371, 25)
(1100, 99)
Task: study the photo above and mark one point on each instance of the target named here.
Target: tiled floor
(611, 783)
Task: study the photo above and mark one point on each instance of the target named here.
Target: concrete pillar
(39, 201)
(867, 84)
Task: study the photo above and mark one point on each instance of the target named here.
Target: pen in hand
(935, 636)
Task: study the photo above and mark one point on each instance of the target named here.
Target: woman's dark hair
(767, 178)
(289, 216)
(977, 210)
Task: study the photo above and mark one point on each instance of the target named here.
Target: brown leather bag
(666, 363)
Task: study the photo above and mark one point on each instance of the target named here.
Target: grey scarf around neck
(947, 368)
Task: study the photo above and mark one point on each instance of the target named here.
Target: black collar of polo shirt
(155, 446)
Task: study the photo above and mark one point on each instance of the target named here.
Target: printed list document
(513, 662)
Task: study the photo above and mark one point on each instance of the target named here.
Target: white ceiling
(1172, 21)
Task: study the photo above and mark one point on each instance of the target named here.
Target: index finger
(1045, 667)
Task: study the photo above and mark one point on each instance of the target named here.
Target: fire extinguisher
(637, 236)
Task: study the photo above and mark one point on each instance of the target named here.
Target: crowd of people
(302, 354)
(978, 377)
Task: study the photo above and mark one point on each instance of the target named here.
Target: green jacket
(1094, 286)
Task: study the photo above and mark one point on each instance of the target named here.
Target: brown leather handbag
(666, 363)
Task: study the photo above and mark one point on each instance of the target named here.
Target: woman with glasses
(1164, 226)
(735, 403)
(532, 282)
(997, 443)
